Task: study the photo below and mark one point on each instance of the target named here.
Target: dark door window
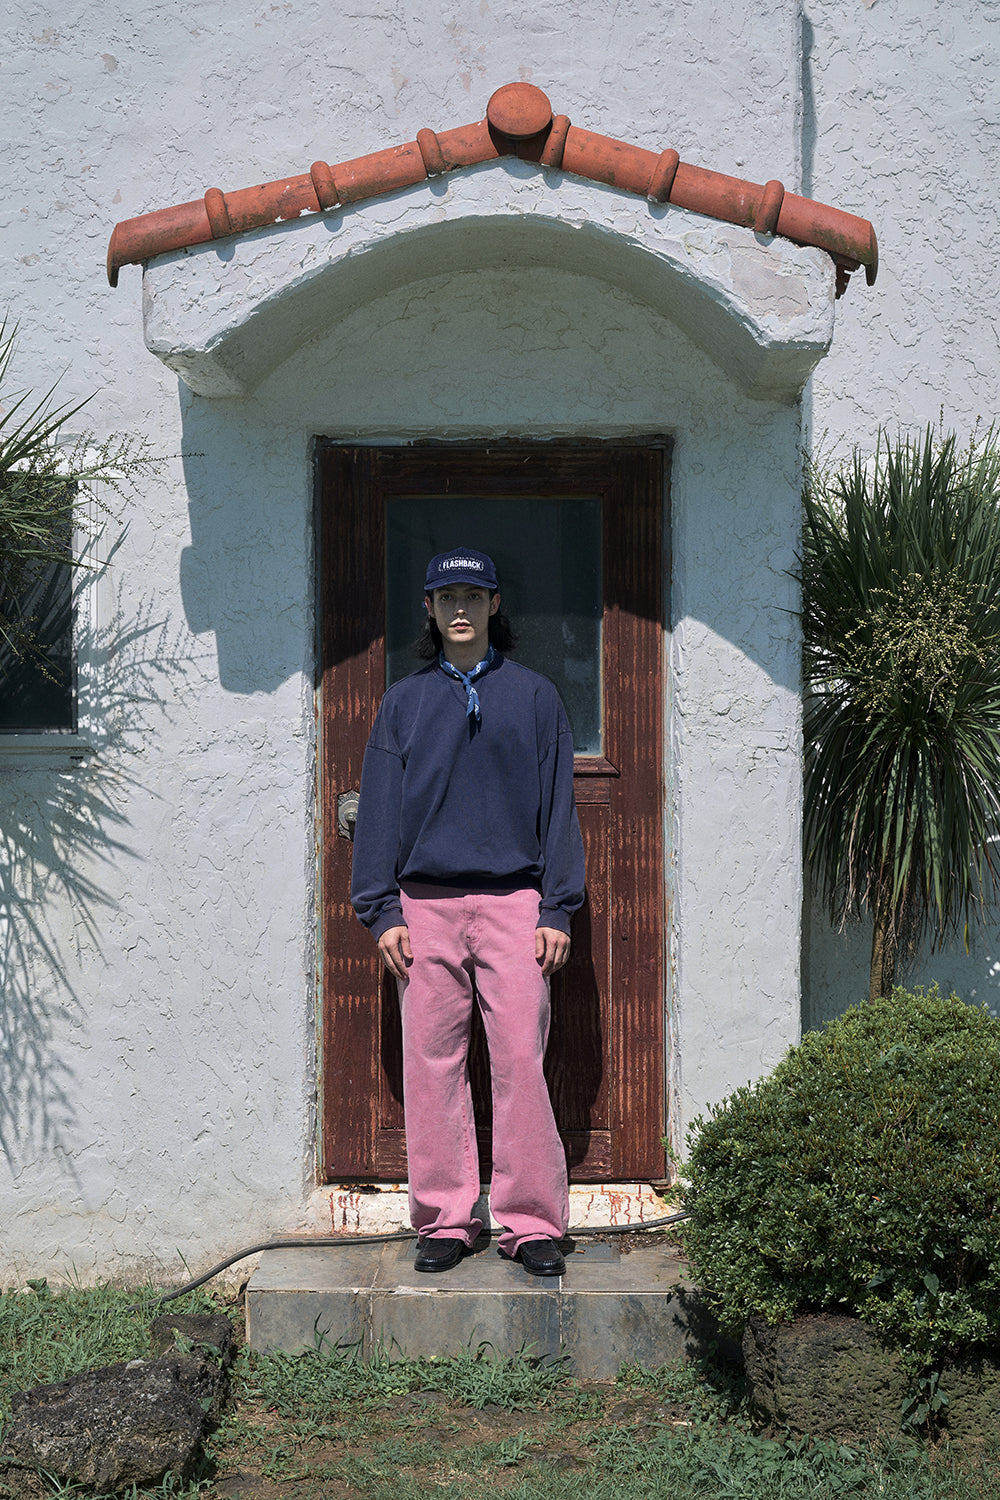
(547, 549)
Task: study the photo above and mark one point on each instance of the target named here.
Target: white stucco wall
(900, 124)
(157, 1052)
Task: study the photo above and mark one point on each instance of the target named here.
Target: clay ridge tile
(519, 122)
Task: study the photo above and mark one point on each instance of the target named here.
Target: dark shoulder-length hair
(501, 636)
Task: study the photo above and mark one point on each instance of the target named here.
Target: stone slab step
(610, 1307)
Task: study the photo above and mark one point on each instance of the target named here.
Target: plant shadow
(64, 838)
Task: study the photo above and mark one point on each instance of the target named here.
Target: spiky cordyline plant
(901, 628)
(40, 479)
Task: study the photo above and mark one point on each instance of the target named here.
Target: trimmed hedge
(862, 1177)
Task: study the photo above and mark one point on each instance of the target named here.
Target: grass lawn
(327, 1425)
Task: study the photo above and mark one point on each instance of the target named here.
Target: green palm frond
(901, 651)
(40, 482)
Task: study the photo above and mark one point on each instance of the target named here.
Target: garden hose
(315, 1242)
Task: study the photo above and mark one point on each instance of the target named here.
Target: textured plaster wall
(900, 123)
(157, 901)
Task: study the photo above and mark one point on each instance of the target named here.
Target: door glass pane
(547, 549)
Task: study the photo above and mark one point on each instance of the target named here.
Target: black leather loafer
(438, 1255)
(541, 1258)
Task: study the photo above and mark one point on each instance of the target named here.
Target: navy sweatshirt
(493, 807)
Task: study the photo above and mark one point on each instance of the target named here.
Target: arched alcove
(223, 315)
(509, 302)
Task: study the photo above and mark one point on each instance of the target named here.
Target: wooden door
(605, 1061)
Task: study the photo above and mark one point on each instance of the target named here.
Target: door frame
(358, 612)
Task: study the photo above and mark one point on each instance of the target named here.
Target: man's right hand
(395, 951)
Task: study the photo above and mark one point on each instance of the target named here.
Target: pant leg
(529, 1194)
(436, 1009)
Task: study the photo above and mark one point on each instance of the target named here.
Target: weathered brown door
(553, 510)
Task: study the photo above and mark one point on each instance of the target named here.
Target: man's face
(462, 612)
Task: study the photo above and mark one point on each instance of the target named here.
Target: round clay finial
(519, 110)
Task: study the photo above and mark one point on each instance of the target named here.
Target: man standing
(468, 865)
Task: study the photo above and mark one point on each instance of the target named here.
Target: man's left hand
(551, 949)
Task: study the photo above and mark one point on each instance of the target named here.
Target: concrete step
(609, 1307)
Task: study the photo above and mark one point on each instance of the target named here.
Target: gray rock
(126, 1424)
(831, 1376)
(209, 1334)
(972, 1386)
(825, 1375)
(202, 1354)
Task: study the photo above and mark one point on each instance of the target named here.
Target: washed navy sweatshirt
(461, 806)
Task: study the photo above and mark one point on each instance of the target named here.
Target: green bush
(861, 1177)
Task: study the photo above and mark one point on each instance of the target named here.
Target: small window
(38, 687)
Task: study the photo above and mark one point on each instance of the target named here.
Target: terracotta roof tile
(519, 122)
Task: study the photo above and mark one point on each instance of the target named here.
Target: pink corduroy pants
(471, 947)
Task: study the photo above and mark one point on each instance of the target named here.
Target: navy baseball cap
(461, 565)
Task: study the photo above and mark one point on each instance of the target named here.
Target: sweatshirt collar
(473, 708)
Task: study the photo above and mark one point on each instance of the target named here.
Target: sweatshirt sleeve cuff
(554, 917)
(389, 916)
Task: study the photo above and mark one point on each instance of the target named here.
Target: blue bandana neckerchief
(473, 709)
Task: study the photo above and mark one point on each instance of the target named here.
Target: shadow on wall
(835, 966)
(246, 574)
(248, 577)
(63, 841)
